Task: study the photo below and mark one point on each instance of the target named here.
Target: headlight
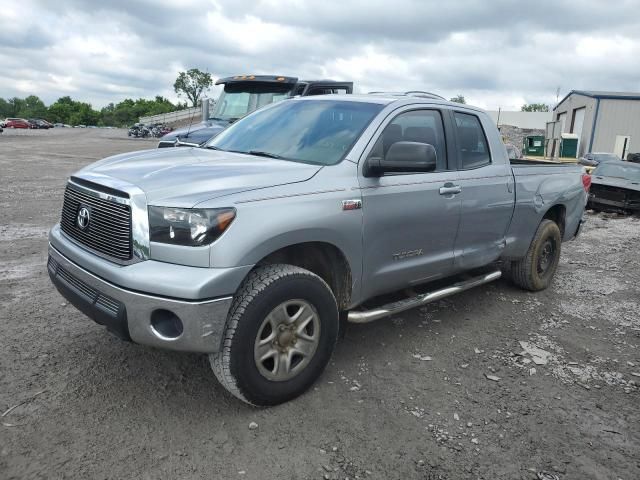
(191, 227)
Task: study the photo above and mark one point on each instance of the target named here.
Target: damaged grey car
(615, 186)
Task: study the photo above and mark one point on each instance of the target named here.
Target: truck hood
(198, 133)
(616, 182)
(184, 177)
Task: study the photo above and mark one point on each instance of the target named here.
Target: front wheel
(280, 334)
(536, 269)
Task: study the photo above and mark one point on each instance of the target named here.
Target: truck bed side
(544, 189)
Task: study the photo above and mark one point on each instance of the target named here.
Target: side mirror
(404, 157)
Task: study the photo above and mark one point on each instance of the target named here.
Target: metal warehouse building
(602, 121)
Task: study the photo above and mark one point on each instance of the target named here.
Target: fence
(180, 115)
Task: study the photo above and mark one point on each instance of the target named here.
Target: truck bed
(527, 168)
(538, 185)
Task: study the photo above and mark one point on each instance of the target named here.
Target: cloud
(499, 53)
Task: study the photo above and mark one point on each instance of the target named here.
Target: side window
(424, 126)
(472, 142)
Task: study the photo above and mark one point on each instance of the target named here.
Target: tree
(73, 112)
(458, 99)
(61, 110)
(5, 109)
(192, 84)
(535, 107)
(15, 105)
(33, 107)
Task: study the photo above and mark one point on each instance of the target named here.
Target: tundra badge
(352, 204)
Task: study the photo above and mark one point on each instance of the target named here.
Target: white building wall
(537, 120)
(617, 117)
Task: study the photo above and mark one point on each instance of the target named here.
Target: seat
(421, 134)
(391, 135)
(471, 157)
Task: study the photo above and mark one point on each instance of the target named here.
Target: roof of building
(601, 94)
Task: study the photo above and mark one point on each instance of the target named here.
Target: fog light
(166, 325)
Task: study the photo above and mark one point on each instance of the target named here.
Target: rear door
(487, 192)
(410, 225)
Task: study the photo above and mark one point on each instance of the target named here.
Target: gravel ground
(407, 398)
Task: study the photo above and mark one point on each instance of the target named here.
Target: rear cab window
(473, 148)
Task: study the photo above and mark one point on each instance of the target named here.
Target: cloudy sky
(495, 53)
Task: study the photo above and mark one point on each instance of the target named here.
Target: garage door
(577, 123)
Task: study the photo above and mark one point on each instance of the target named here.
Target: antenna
(190, 123)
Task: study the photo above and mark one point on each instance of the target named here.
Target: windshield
(310, 131)
(239, 99)
(630, 172)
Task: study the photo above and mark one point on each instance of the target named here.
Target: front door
(410, 219)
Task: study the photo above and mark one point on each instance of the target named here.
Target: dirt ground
(403, 398)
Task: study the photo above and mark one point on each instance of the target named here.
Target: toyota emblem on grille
(83, 219)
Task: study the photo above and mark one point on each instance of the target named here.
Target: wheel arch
(322, 258)
(558, 214)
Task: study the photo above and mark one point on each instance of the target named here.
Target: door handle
(450, 189)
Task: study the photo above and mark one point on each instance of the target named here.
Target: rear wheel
(279, 336)
(536, 269)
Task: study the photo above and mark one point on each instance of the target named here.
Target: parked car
(593, 159)
(38, 123)
(253, 247)
(633, 157)
(16, 123)
(615, 186)
(243, 94)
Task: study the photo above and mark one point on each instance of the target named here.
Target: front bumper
(129, 313)
(616, 205)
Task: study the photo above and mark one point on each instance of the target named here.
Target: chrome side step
(366, 316)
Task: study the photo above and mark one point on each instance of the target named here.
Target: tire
(268, 294)
(536, 269)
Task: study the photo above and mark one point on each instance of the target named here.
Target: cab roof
(271, 79)
(389, 98)
(258, 78)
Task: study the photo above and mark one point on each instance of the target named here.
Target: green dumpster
(568, 145)
(533, 145)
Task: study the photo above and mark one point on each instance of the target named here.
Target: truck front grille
(109, 226)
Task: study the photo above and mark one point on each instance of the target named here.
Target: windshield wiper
(260, 153)
(213, 147)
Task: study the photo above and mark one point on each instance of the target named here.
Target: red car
(16, 123)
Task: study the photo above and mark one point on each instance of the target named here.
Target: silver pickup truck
(255, 248)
